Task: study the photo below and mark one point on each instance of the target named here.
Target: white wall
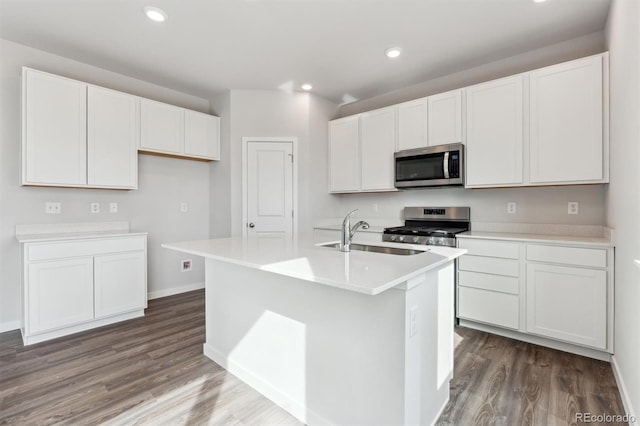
(163, 184)
(623, 196)
(267, 113)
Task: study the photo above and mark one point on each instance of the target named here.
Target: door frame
(245, 187)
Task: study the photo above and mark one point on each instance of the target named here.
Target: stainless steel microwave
(441, 165)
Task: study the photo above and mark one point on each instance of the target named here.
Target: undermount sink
(378, 249)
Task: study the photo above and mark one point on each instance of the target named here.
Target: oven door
(433, 166)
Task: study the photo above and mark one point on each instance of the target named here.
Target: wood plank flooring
(151, 371)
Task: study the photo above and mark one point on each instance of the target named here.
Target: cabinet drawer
(62, 249)
(489, 282)
(489, 265)
(490, 307)
(502, 249)
(567, 255)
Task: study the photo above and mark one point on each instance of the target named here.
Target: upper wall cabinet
(565, 110)
(361, 151)
(167, 129)
(494, 133)
(378, 143)
(566, 123)
(344, 158)
(54, 130)
(75, 134)
(435, 120)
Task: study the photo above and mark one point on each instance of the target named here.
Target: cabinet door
(566, 138)
(54, 130)
(112, 139)
(59, 294)
(377, 145)
(161, 127)
(344, 164)
(445, 118)
(494, 133)
(120, 283)
(201, 135)
(412, 124)
(567, 304)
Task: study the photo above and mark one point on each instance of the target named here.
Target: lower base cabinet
(557, 292)
(75, 285)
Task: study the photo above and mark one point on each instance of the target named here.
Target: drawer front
(567, 255)
(489, 282)
(63, 249)
(489, 265)
(503, 249)
(489, 307)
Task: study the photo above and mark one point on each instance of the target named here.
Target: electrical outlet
(95, 207)
(511, 207)
(184, 207)
(113, 207)
(51, 207)
(573, 207)
(186, 265)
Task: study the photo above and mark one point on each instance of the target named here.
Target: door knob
(252, 225)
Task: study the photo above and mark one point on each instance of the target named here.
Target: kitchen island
(333, 338)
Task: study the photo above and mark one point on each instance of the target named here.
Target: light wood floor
(151, 371)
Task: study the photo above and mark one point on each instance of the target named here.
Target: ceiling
(209, 46)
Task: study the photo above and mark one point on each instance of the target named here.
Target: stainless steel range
(436, 226)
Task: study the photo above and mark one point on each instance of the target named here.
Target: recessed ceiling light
(155, 14)
(393, 52)
(306, 86)
(539, 1)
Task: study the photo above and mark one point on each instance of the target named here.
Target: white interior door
(269, 188)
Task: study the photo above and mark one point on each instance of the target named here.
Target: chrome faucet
(348, 231)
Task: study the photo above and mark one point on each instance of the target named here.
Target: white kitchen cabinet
(344, 154)
(201, 135)
(566, 123)
(567, 303)
(174, 131)
(71, 285)
(412, 124)
(494, 125)
(112, 139)
(117, 279)
(54, 138)
(445, 118)
(161, 127)
(60, 293)
(377, 145)
(558, 295)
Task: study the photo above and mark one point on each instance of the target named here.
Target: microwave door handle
(445, 165)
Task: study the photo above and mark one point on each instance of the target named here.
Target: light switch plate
(113, 207)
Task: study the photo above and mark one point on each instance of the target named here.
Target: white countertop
(72, 231)
(37, 238)
(362, 272)
(536, 238)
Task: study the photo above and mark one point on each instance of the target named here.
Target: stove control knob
(393, 237)
(401, 238)
(416, 239)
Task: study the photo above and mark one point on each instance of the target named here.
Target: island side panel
(329, 356)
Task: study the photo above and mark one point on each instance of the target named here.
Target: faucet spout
(348, 231)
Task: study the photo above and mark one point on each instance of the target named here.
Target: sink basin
(378, 249)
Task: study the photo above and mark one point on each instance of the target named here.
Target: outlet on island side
(186, 265)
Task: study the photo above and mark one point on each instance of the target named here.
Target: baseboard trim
(624, 395)
(293, 407)
(174, 290)
(10, 326)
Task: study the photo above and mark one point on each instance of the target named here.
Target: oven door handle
(445, 165)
